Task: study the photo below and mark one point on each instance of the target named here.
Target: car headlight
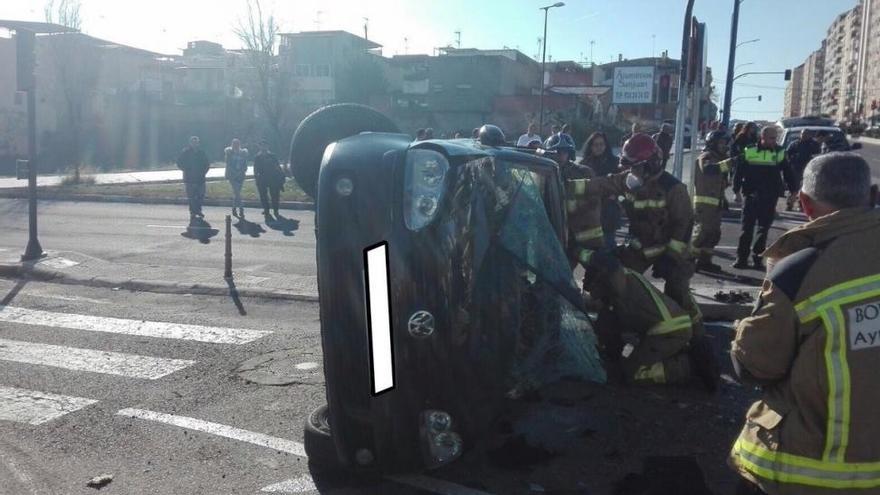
(441, 444)
(424, 183)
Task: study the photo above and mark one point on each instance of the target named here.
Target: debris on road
(734, 297)
(99, 482)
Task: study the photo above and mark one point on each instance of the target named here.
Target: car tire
(318, 441)
(327, 125)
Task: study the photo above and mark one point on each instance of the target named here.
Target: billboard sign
(633, 85)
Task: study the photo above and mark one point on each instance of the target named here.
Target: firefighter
(660, 215)
(759, 176)
(644, 329)
(813, 345)
(585, 233)
(710, 181)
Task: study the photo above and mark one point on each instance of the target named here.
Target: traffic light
(788, 74)
(759, 97)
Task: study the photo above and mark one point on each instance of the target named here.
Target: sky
(788, 30)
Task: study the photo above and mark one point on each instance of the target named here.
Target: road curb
(29, 272)
(97, 198)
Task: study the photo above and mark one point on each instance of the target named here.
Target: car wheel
(327, 125)
(318, 441)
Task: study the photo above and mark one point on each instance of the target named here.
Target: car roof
(471, 148)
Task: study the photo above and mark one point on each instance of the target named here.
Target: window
(322, 70)
(301, 70)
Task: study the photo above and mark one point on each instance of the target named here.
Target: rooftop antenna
(406, 46)
(366, 28)
(458, 39)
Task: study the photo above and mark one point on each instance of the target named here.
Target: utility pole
(544, 64)
(366, 25)
(592, 62)
(681, 113)
(731, 63)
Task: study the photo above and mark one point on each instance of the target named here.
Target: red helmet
(638, 149)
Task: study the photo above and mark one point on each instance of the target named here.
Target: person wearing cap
(710, 181)
(643, 330)
(661, 216)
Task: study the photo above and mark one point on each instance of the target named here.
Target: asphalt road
(871, 152)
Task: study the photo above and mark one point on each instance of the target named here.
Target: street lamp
(731, 63)
(747, 42)
(743, 65)
(544, 61)
(759, 98)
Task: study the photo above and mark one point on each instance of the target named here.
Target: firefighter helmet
(714, 138)
(641, 150)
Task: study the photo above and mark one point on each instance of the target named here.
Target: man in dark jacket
(195, 164)
(269, 178)
(664, 141)
(759, 176)
(799, 154)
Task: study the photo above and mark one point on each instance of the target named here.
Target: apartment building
(794, 93)
(842, 61)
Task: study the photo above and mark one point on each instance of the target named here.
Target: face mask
(633, 182)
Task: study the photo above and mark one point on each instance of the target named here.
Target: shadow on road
(233, 293)
(7, 299)
(200, 230)
(249, 228)
(283, 224)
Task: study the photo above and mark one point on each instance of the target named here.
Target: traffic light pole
(731, 61)
(33, 250)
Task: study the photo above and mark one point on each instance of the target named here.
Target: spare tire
(327, 125)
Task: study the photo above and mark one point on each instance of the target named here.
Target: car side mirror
(856, 146)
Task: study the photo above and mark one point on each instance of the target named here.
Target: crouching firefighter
(585, 234)
(660, 217)
(813, 344)
(650, 335)
(710, 181)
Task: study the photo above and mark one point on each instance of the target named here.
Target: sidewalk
(152, 176)
(78, 269)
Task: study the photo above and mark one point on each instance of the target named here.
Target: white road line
(32, 407)
(74, 358)
(279, 444)
(303, 484)
(214, 335)
(435, 485)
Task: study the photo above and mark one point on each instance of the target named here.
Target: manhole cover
(282, 368)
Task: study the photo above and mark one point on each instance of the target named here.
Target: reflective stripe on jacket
(813, 341)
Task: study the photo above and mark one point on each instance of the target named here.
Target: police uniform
(813, 342)
(661, 327)
(709, 184)
(585, 234)
(660, 223)
(759, 176)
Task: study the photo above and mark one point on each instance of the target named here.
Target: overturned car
(443, 284)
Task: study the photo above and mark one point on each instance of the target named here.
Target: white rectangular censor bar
(157, 329)
(35, 408)
(379, 316)
(231, 432)
(77, 359)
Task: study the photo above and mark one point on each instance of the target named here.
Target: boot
(240, 212)
(277, 215)
(234, 213)
(704, 364)
(740, 264)
(704, 264)
(267, 216)
(758, 263)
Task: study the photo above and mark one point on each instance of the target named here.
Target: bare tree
(76, 69)
(259, 34)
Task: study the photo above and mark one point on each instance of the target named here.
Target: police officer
(660, 216)
(813, 344)
(710, 181)
(759, 175)
(646, 331)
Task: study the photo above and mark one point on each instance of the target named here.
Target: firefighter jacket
(660, 212)
(813, 342)
(710, 179)
(644, 310)
(584, 222)
(761, 171)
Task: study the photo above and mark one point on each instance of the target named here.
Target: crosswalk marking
(279, 444)
(32, 407)
(74, 358)
(215, 335)
(303, 484)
